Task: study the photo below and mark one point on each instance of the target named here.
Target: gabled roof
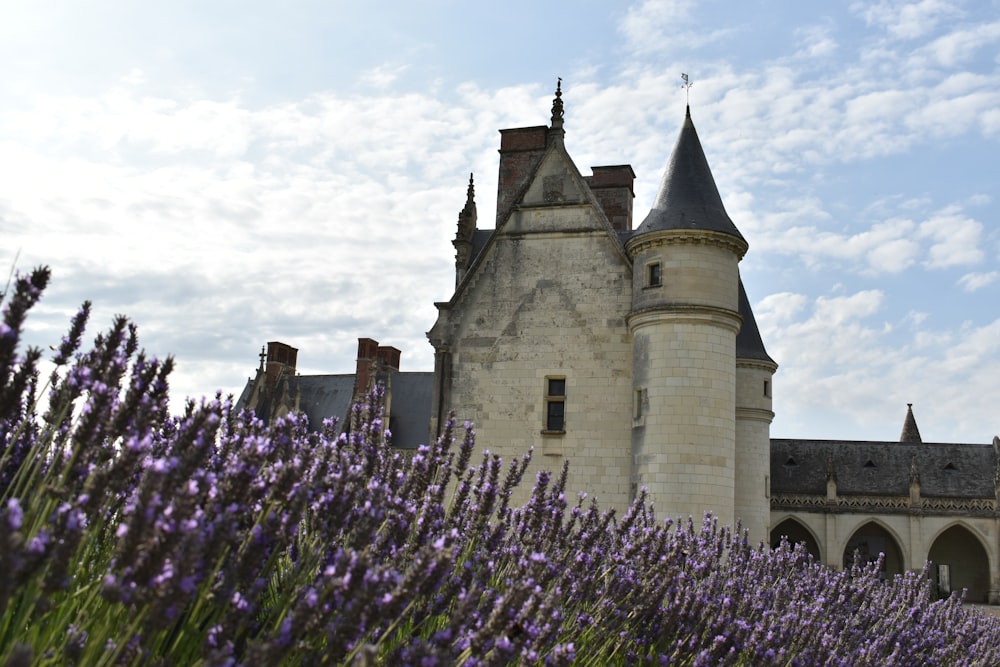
(533, 193)
(688, 197)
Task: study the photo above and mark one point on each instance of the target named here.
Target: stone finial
(557, 105)
(263, 357)
(914, 473)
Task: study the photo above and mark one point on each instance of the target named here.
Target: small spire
(557, 105)
(470, 195)
(467, 219)
(263, 356)
(910, 431)
(467, 216)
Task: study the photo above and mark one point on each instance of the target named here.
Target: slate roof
(329, 396)
(410, 412)
(688, 197)
(323, 397)
(748, 342)
(945, 470)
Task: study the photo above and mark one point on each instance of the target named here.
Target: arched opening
(868, 542)
(795, 533)
(959, 561)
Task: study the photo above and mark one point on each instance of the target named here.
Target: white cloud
(816, 41)
(904, 19)
(962, 44)
(971, 282)
(955, 239)
(778, 308)
(660, 26)
(383, 76)
(645, 23)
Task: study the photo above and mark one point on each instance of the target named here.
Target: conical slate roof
(910, 431)
(688, 197)
(748, 342)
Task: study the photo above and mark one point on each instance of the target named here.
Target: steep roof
(688, 197)
(748, 341)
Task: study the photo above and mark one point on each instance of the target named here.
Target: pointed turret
(754, 414)
(910, 431)
(688, 197)
(684, 322)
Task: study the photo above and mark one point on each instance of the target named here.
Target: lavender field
(129, 535)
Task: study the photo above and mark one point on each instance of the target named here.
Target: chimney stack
(521, 149)
(281, 359)
(612, 186)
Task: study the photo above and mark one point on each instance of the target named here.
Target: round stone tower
(754, 373)
(684, 322)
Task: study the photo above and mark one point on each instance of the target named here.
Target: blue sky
(229, 173)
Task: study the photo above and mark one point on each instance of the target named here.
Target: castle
(632, 352)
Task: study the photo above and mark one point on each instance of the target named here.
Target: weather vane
(687, 87)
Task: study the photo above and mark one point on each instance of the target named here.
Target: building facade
(632, 353)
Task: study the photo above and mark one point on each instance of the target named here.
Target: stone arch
(796, 532)
(869, 540)
(958, 548)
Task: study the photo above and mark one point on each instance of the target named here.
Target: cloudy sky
(228, 173)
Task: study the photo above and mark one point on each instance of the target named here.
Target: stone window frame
(654, 275)
(555, 395)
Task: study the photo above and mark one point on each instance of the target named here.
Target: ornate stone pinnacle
(557, 105)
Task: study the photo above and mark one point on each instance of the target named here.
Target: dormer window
(654, 278)
(869, 464)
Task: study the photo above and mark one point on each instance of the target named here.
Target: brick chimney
(388, 358)
(367, 358)
(521, 149)
(612, 186)
(281, 359)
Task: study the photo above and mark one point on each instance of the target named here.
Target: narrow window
(555, 404)
(767, 388)
(637, 404)
(655, 278)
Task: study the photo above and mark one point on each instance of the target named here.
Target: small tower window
(555, 405)
(654, 277)
(767, 389)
